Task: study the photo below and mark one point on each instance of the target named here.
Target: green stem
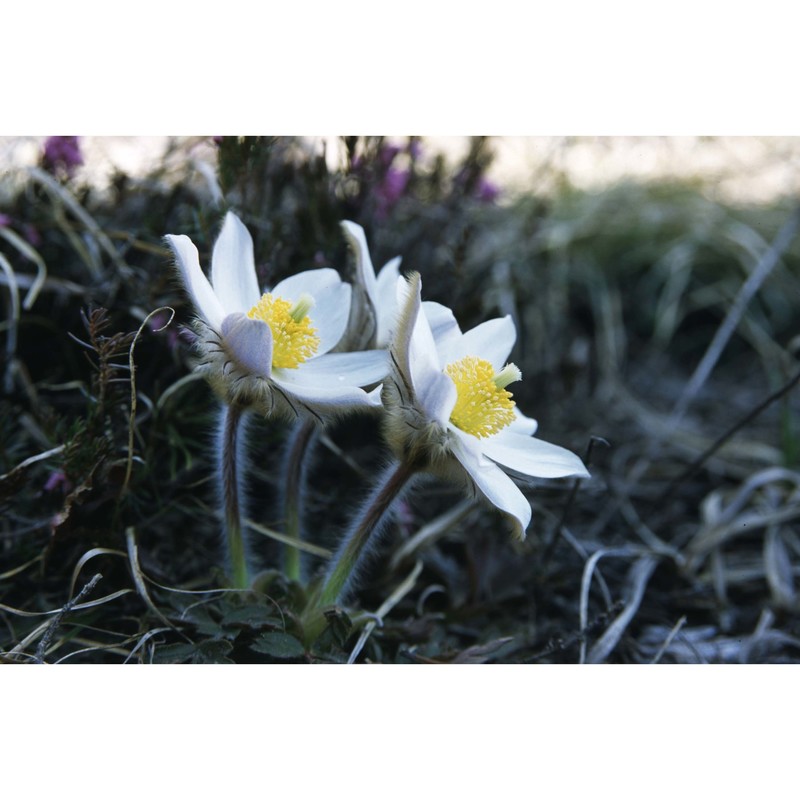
(301, 438)
(232, 514)
(352, 548)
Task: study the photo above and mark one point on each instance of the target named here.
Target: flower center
(294, 340)
(483, 406)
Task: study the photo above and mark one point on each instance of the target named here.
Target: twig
(68, 606)
(587, 458)
(746, 420)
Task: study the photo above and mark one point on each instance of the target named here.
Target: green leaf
(279, 645)
(213, 651)
(250, 615)
(174, 653)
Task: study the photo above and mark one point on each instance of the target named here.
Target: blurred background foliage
(683, 547)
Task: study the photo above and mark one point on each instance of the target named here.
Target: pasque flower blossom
(375, 313)
(272, 350)
(449, 411)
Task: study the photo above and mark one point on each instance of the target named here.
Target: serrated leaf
(252, 615)
(213, 651)
(174, 653)
(339, 625)
(279, 645)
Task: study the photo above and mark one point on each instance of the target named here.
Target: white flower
(448, 409)
(373, 312)
(272, 350)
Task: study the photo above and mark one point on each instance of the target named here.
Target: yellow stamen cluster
(294, 340)
(483, 406)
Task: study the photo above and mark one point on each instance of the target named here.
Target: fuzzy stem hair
(364, 532)
(230, 454)
(299, 444)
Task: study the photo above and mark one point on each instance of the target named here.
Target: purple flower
(5, 221)
(387, 155)
(31, 234)
(62, 153)
(485, 190)
(58, 481)
(390, 190)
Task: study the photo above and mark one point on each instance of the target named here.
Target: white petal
(311, 281)
(492, 482)
(386, 300)
(330, 314)
(250, 342)
(233, 268)
(203, 297)
(444, 326)
(491, 340)
(324, 400)
(435, 391)
(339, 369)
(365, 272)
(522, 424)
(331, 302)
(533, 457)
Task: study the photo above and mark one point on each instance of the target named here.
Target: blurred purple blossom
(31, 233)
(387, 154)
(58, 481)
(485, 190)
(62, 153)
(390, 190)
(28, 231)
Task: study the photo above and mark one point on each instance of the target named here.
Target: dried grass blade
(299, 544)
(748, 289)
(13, 320)
(87, 556)
(132, 368)
(778, 569)
(432, 531)
(639, 575)
(396, 596)
(143, 640)
(60, 193)
(175, 387)
(32, 255)
(138, 576)
(586, 584)
(29, 639)
(668, 641)
(16, 570)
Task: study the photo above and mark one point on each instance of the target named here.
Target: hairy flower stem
(295, 461)
(352, 548)
(232, 512)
